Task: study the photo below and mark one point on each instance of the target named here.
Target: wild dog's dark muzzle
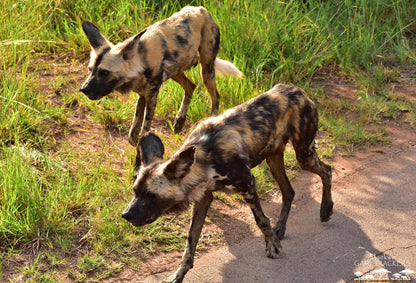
(94, 89)
(127, 215)
(86, 89)
(145, 208)
(140, 212)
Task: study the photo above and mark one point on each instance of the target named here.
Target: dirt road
(371, 236)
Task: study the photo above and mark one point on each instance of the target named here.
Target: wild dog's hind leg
(208, 50)
(272, 241)
(276, 165)
(308, 160)
(189, 88)
(198, 218)
(208, 75)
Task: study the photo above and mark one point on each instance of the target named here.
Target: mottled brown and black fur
(159, 52)
(219, 154)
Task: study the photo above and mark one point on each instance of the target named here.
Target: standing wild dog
(162, 51)
(219, 154)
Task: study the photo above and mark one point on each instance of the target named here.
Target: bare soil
(229, 219)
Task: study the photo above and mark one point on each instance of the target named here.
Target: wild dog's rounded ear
(151, 148)
(180, 165)
(94, 36)
(128, 50)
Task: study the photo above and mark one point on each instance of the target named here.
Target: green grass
(57, 192)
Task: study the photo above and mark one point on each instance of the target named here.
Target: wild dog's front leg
(198, 218)
(189, 88)
(151, 101)
(277, 168)
(272, 241)
(145, 109)
(136, 126)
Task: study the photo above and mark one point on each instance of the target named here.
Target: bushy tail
(223, 67)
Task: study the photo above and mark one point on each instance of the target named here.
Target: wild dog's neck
(197, 182)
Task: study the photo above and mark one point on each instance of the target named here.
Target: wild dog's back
(253, 130)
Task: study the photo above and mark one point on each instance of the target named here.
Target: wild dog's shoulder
(192, 11)
(290, 91)
(284, 88)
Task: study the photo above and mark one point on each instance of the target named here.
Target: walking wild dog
(219, 154)
(159, 52)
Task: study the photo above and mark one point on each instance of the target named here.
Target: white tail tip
(223, 67)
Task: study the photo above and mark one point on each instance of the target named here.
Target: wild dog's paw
(174, 278)
(326, 211)
(178, 124)
(272, 249)
(133, 140)
(135, 134)
(279, 230)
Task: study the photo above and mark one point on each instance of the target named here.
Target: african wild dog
(219, 154)
(159, 52)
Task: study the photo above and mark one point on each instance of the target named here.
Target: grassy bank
(65, 165)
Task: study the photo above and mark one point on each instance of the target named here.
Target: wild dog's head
(111, 67)
(158, 187)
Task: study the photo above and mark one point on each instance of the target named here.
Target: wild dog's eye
(103, 73)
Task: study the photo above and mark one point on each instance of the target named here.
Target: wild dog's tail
(223, 67)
